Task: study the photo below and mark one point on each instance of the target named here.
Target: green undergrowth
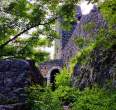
(42, 98)
(94, 98)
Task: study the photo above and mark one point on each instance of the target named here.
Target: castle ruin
(86, 27)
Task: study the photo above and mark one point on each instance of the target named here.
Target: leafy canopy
(34, 20)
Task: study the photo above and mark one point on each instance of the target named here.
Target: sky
(85, 8)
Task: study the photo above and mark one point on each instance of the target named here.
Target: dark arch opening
(52, 78)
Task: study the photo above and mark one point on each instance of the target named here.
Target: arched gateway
(51, 76)
(50, 69)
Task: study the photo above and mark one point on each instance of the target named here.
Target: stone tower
(64, 35)
(57, 42)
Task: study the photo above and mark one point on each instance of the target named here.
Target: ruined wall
(87, 28)
(15, 75)
(47, 66)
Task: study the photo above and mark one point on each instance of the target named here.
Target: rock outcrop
(15, 76)
(99, 69)
(17, 106)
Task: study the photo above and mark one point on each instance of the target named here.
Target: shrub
(42, 99)
(63, 79)
(67, 95)
(95, 99)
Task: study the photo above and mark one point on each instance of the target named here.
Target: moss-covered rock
(100, 67)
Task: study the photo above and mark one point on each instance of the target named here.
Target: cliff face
(100, 68)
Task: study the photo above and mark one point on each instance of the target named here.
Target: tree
(20, 16)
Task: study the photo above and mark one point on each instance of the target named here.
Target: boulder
(15, 76)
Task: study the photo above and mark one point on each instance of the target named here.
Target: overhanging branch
(17, 35)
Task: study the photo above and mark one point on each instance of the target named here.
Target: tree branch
(17, 35)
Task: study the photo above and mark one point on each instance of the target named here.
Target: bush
(42, 99)
(63, 79)
(95, 99)
(66, 94)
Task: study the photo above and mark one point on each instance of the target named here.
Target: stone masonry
(15, 76)
(66, 47)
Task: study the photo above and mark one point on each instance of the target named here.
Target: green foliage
(66, 94)
(43, 99)
(89, 26)
(95, 99)
(24, 53)
(63, 79)
(68, 14)
(19, 17)
(81, 57)
(82, 42)
(108, 10)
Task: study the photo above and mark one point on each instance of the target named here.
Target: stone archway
(53, 74)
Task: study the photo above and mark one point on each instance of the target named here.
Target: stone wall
(17, 106)
(47, 66)
(15, 76)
